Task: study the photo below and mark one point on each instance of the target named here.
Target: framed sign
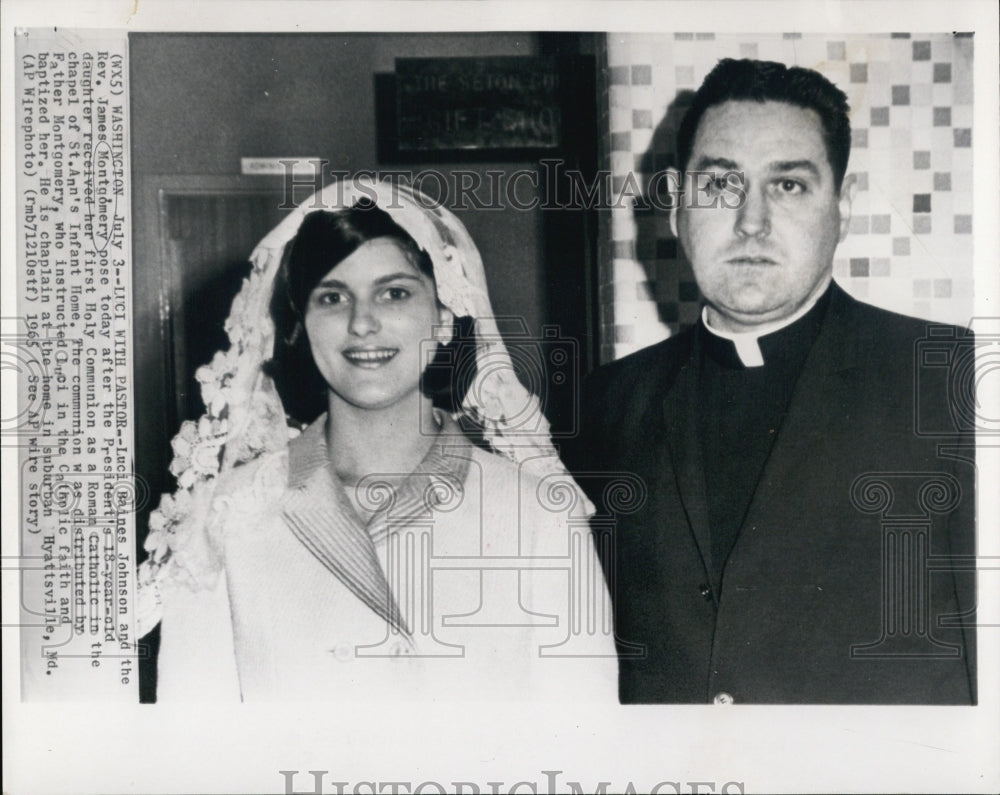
(472, 108)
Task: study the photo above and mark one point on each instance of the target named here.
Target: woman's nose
(753, 218)
(364, 321)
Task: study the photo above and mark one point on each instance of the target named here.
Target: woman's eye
(396, 293)
(330, 299)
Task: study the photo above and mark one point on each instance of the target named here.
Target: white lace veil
(244, 417)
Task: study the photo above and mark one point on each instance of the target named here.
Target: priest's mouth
(751, 261)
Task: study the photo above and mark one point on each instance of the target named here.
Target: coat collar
(846, 335)
(318, 512)
(447, 457)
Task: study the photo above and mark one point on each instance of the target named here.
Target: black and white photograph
(500, 397)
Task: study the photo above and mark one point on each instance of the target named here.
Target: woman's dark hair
(325, 239)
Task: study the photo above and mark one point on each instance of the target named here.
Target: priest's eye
(789, 187)
(718, 183)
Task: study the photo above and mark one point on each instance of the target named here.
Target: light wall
(910, 247)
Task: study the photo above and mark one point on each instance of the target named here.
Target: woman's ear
(444, 330)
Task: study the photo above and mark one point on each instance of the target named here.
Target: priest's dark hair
(768, 81)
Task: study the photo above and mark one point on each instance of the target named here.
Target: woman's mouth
(369, 357)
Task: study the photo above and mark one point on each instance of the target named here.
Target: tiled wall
(910, 247)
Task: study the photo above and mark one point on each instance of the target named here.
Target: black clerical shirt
(740, 415)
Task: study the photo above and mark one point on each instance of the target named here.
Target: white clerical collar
(747, 342)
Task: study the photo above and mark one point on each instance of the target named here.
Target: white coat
(472, 580)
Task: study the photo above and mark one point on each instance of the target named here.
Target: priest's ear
(848, 189)
(675, 183)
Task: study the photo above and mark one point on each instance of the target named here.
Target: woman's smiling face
(369, 322)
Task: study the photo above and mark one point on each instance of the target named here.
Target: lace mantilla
(244, 418)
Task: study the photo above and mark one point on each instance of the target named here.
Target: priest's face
(766, 247)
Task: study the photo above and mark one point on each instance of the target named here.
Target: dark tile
(942, 117)
(942, 73)
(621, 142)
(942, 288)
(881, 224)
(642, 119)
(625, 334)
(687, 291)
(668, 312)
(666, 248)
(623, 249)
(642, 75)
(618, 75)
(880, 117)
(645, 248)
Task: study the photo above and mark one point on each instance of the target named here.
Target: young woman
(380, 553)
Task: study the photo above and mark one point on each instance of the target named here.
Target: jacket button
(722, 698)
(399, 651)
(343, 652)
(706, 592)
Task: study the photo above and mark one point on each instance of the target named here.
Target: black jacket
(851, 580)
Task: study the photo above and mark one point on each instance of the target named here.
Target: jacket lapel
(684, 447)
(438, 480)
(319, 514)
(821, 393)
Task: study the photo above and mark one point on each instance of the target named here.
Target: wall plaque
(477, 104)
